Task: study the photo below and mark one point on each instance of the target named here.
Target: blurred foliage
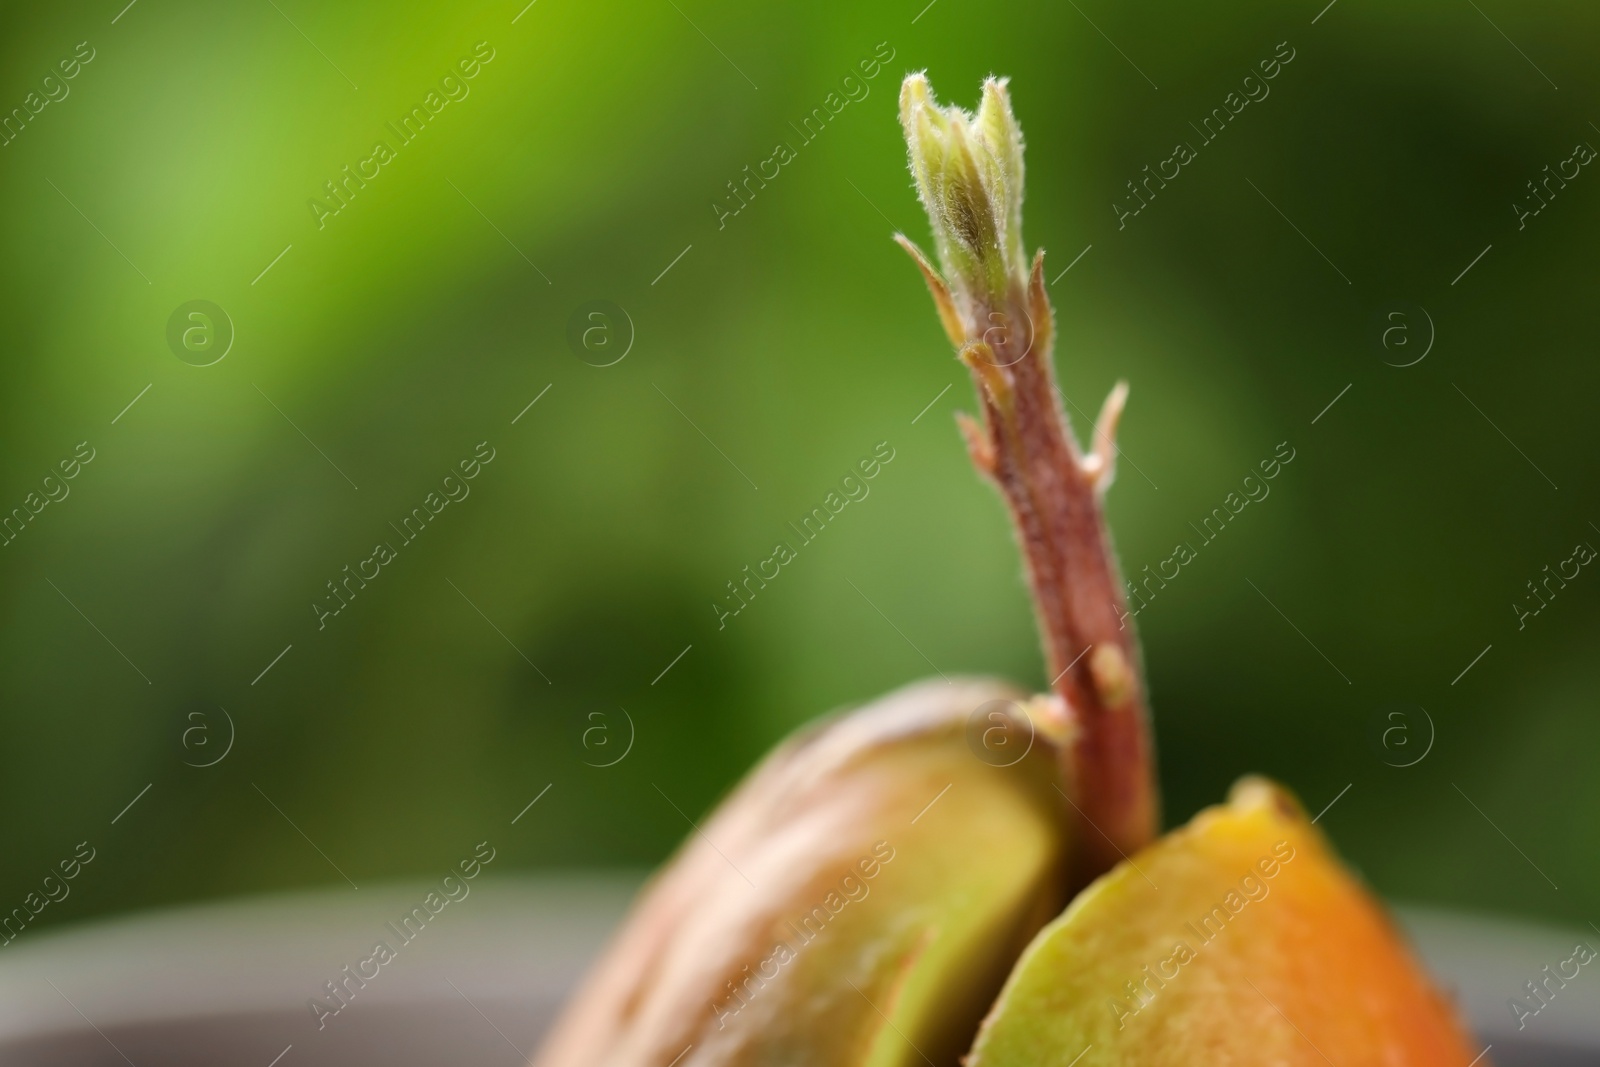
(414, 325)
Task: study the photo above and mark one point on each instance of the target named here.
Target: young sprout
(992, 304)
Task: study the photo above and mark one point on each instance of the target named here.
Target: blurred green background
(777, 350)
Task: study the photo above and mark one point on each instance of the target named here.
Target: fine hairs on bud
(968, 170)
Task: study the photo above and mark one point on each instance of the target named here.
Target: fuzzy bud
(968, 170)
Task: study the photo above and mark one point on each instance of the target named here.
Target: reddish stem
(1026, 448)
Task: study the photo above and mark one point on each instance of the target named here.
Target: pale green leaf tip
(969, 175)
